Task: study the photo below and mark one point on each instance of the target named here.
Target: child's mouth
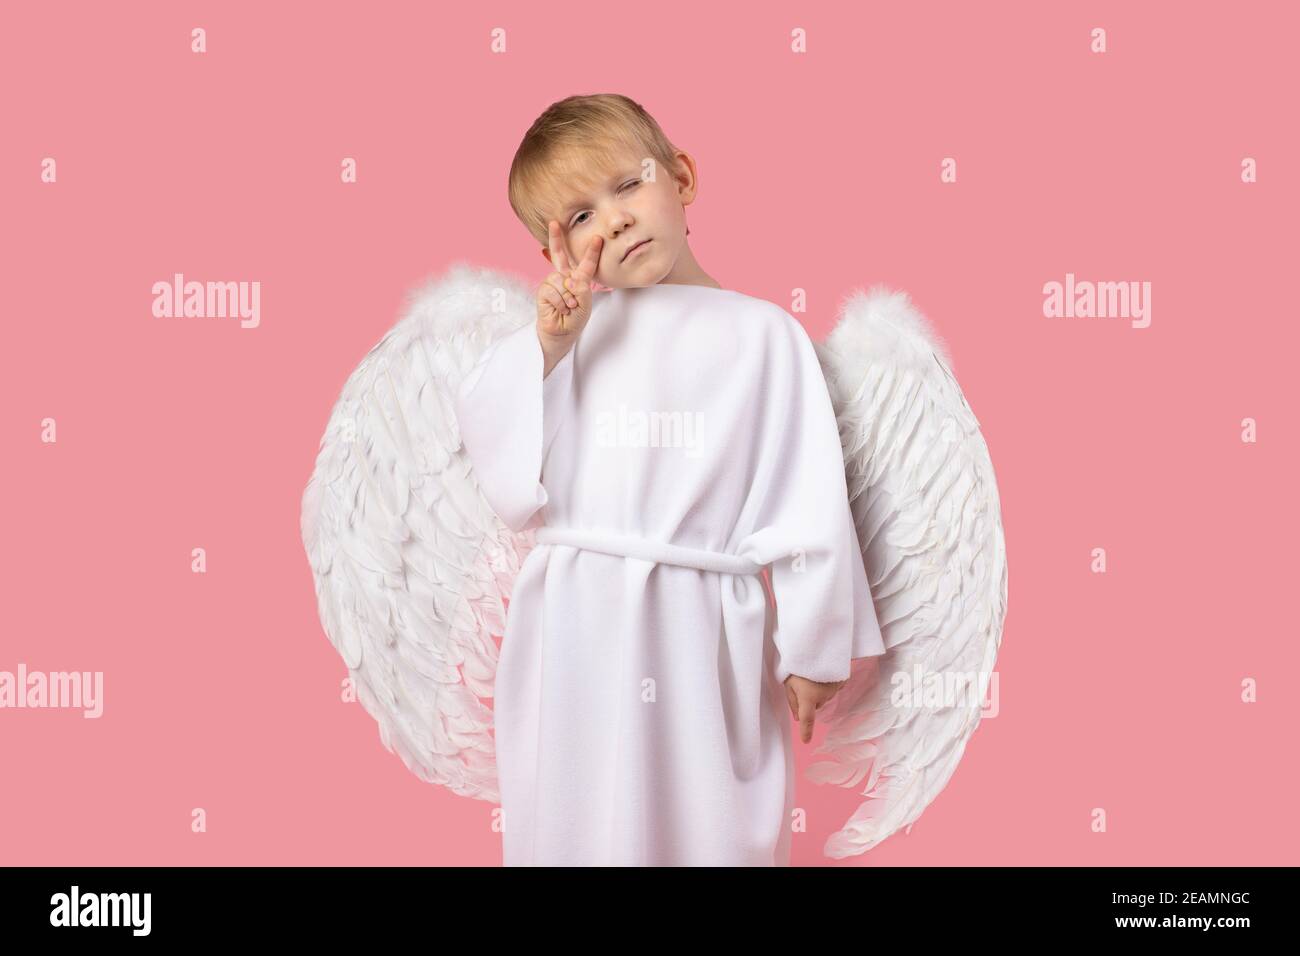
(635, 249)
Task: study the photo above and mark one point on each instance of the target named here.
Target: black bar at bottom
(846, 904)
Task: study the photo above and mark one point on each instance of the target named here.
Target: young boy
(668, 439)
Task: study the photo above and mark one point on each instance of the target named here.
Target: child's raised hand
(564, 297)
(806, 698)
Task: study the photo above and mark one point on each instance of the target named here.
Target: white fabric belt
(645, 549)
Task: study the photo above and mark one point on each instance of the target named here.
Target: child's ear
(546, 254)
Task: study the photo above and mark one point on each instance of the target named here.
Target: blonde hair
(572, 144)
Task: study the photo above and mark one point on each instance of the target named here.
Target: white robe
(639, 709)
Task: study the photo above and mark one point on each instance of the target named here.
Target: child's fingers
(806, 717)
(554, 298)
(587, 267)
(581, 291)
(553, 324)
(555, 238)
(792, 699)
(557, 281)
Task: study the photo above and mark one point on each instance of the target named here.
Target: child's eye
(578, 219)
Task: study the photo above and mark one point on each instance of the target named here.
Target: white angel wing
(926, 507)
(411, 565)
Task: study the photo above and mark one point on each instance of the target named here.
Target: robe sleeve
(825, 616)
(508, 416)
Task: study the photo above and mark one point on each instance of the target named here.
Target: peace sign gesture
(564, 297)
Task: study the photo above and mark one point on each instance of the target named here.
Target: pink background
(819, 171)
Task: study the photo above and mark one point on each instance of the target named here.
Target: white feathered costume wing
(412, 567)
(925, 503)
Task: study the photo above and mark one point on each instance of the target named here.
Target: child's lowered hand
(564, 297)
(806, 698)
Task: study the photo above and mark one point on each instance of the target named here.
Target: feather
(926, 507)
(411, 566)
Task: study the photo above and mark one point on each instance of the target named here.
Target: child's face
(626, 206)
